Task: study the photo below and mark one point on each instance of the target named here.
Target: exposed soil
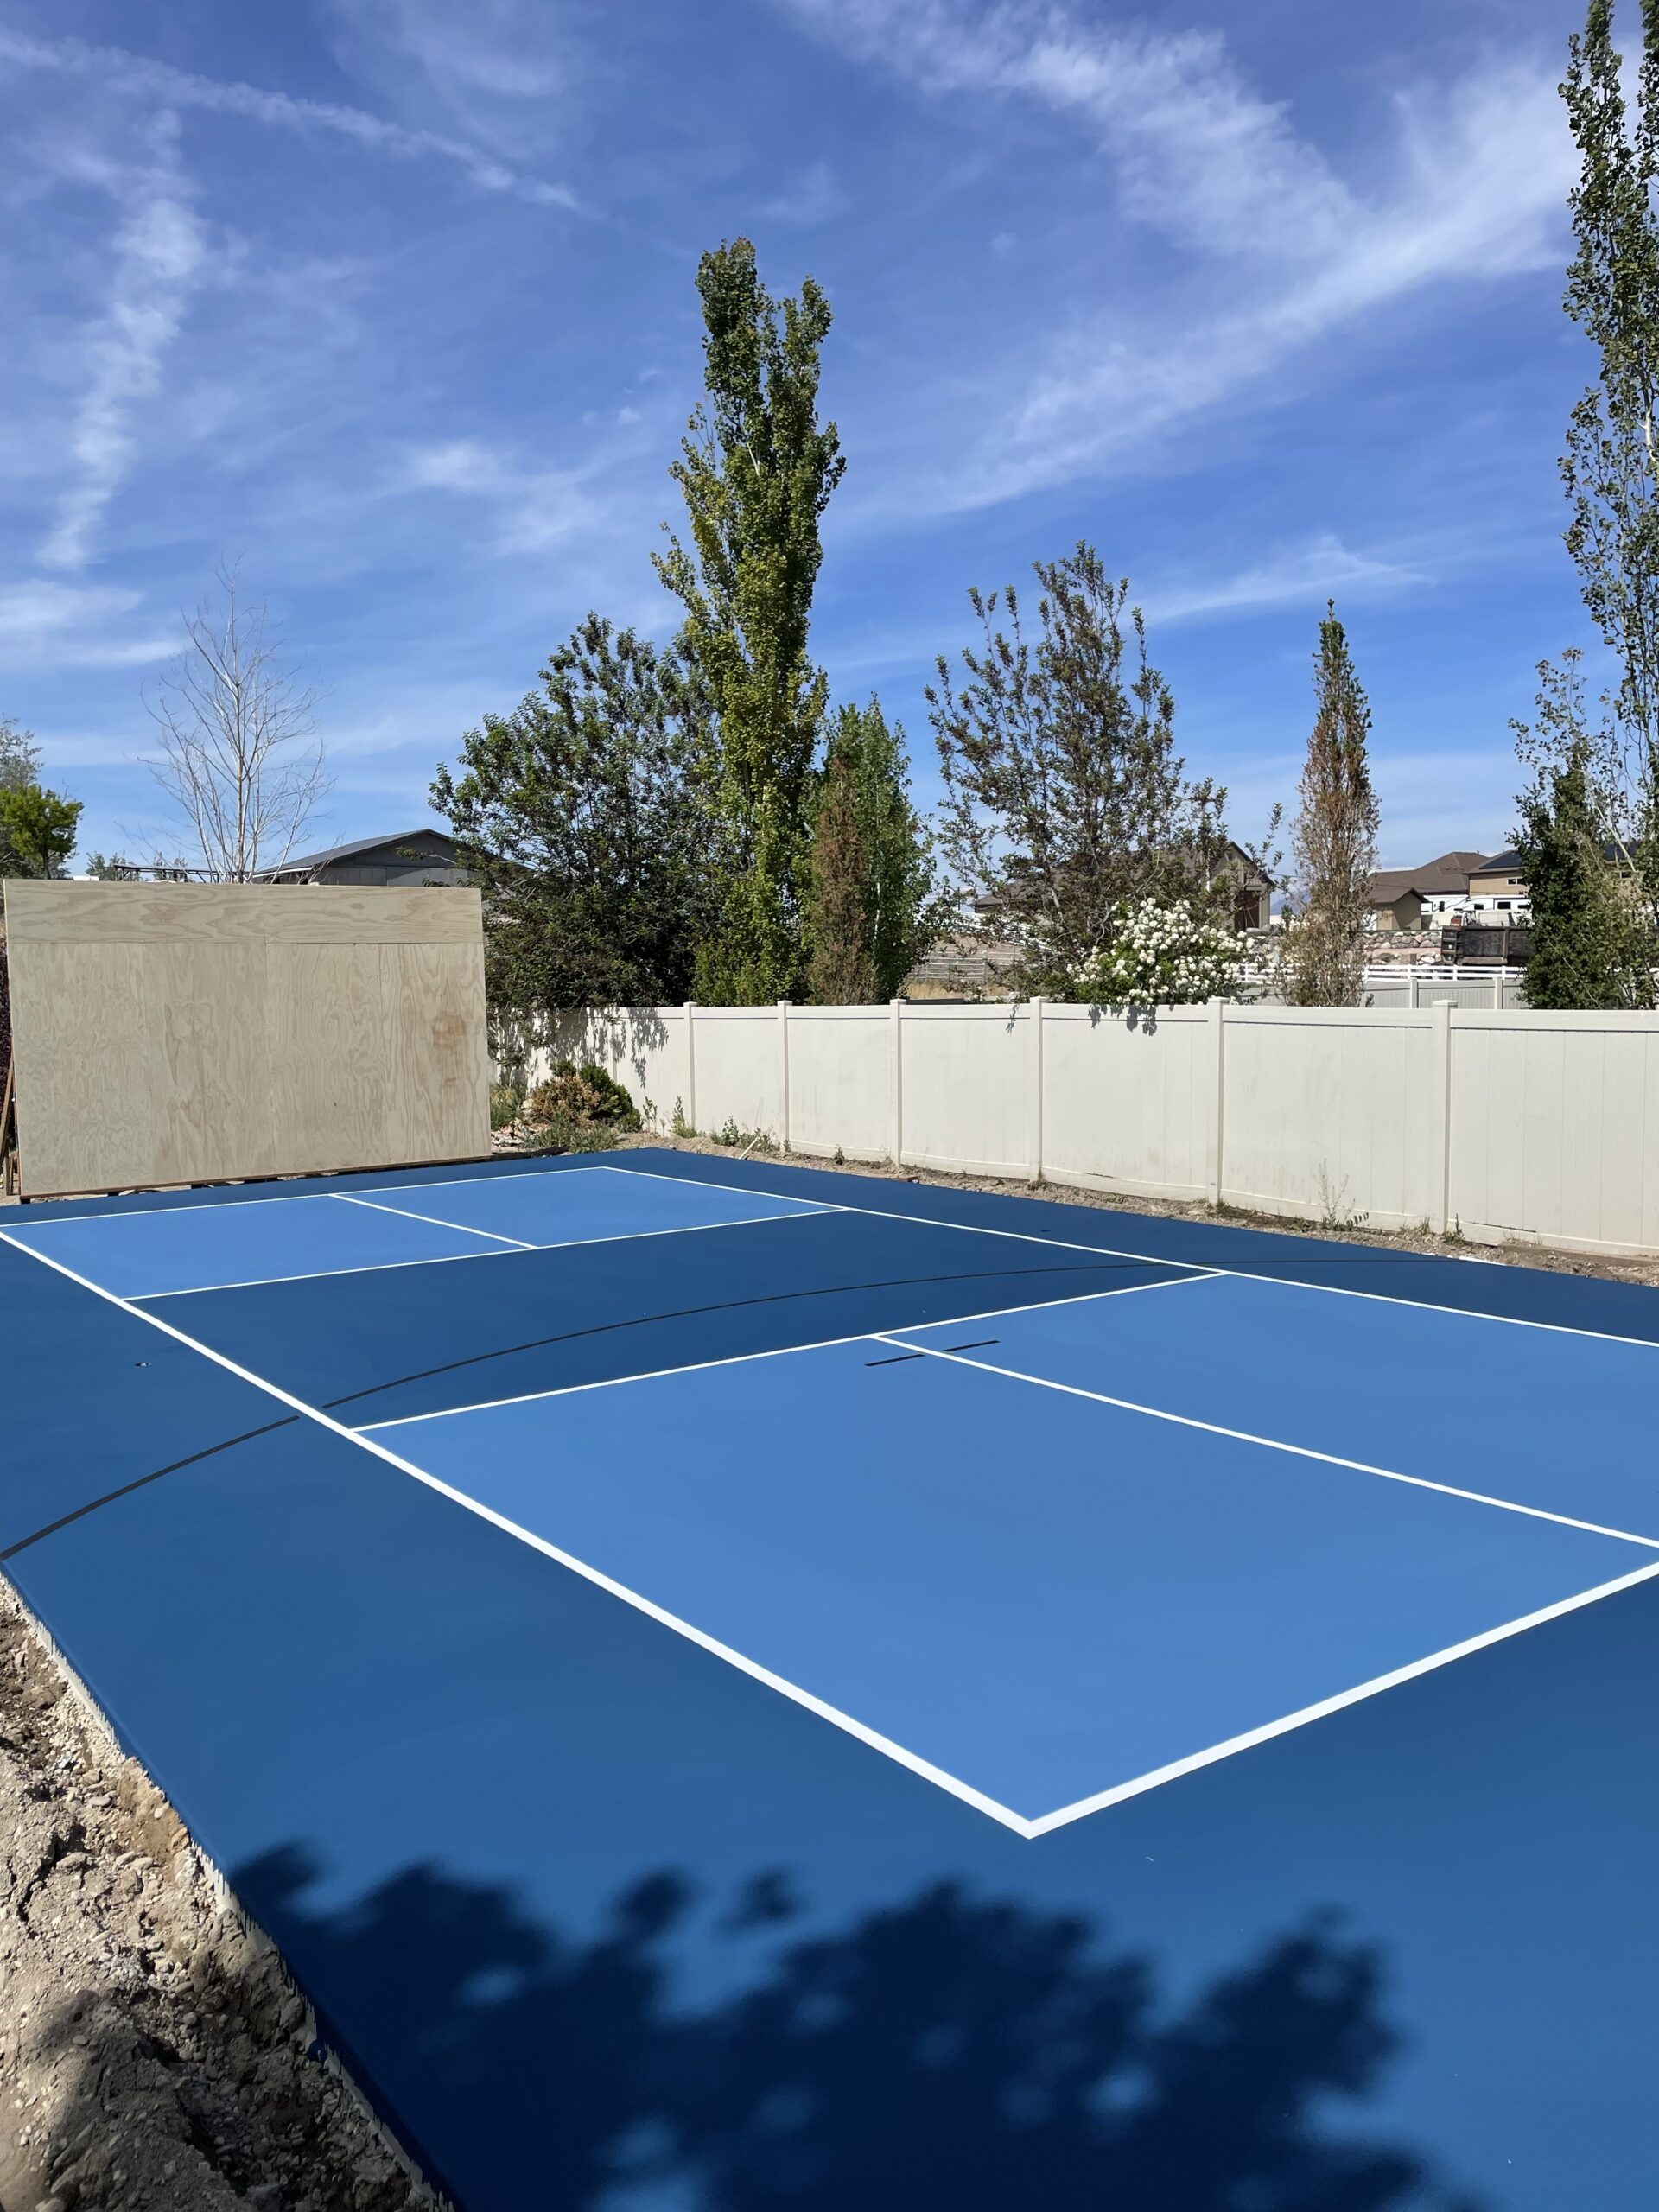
(153, 2058)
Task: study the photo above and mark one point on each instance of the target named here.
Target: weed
(1335, 1211)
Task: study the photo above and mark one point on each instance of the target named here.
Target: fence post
(690, 1069)
(783, 1065)
(898, 1011)
(1497, 991)
(1440, 1092)
(1218, 1045)
(1036, 1083)
(1414, 994)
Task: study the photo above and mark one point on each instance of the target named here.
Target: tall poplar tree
(1610, 469)
(1333, 837)
(757, 469)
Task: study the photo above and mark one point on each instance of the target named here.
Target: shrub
(584, 1097)
(566, 1136)
(506, 1103)
(1161, 954)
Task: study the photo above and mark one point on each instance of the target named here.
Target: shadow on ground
(947, 2050)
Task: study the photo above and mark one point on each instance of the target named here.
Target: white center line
(408, 1213)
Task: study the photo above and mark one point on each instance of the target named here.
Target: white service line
(433, 1220)
(896, 1753)
(1048, 1822)
(1269, 1443)
(564, 1244)
(777, 1351)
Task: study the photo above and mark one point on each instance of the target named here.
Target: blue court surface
(737, 1688)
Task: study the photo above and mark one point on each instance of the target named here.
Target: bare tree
(239, 754)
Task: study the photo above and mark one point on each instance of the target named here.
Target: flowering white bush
(1161, 954)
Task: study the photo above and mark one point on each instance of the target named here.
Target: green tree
(1066, 804)
(20, 764)
(840, 968)
(580, 818)
(873, 908)
(1610, 469)
(1592, 939)
(757, 470)
(38, 829)
(1333, 837)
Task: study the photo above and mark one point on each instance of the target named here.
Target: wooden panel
(300, 913)
(276, 1045)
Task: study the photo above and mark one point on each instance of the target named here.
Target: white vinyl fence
(1506, 1123)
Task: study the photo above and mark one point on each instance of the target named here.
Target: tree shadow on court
(945, 2050)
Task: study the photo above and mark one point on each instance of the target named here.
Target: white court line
(444, 1183)
(896, 1753)
(1269, 1443)
(952, 1785)
(777, 1351)
(408, 1213)
(1245, 1274)
(1062, 1818)
(441, 1259)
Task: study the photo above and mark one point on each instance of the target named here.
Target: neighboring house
(1425, 897)
(1393, 900)
(417, 856)
(1497, 887)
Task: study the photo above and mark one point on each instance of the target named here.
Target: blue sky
(392, 302)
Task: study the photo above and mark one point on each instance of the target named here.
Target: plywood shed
(194, 1032)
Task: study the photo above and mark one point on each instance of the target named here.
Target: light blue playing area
(1047, 1598)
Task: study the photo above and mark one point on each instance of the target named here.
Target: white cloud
(1297, 576)
(1285, 253)
(48, 625)
(161, 251)
(135, 74)
(531, 507)
(815, 196)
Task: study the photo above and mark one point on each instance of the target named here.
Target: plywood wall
(178, 1033)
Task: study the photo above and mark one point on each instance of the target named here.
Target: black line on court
(895, 1360)
(736, 1305)
(127, 1488)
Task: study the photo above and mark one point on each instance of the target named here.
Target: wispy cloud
(49, 625)
(1291, 253)
(1296, 576)
(530, 507)
(135, 74)
(160, 250)
(815, 196)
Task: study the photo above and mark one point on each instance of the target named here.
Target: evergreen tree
(757, 470)
(1610, 469)
(840, 968)
(1066, 804)
(1592, 942)
(1333, 838)
(863, 820)
(580, 818)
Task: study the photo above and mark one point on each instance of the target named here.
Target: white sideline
(777, 1351)
(1269, 1443)
(952, 1785)
(408, 1213)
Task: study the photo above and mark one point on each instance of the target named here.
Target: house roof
(1508, 864)
(400, 838)
(1449, 872)
(1389, 884)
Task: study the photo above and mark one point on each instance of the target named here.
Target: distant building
(1440, 893)
(417, 856)
(1497, 887)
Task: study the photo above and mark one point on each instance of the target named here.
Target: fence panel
(644, 1047)
(1556, 1128)
(738, 1070)
(969, 1088)
(841, 1080)
(1330, 1113)
(1130, 1105)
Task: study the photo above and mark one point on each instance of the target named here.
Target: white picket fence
(1506, 1123)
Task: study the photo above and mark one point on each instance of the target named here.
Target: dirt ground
(153, 2058)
